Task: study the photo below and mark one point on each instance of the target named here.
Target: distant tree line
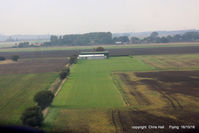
(13, 57)
(2, 58)
(81, 39)
(106, 38)
(154, 38)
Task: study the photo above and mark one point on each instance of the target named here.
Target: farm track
(59, 88)
(113, 52)
(61, 85)
(116, 121)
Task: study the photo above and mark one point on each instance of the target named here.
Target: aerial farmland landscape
(97, 66)
(108, 95)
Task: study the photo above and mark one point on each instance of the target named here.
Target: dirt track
(113, 52)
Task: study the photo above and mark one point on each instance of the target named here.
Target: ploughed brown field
(35, 65)
(158, 98)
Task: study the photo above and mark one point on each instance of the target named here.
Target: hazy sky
(80, 16)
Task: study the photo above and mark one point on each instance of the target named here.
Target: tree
(73, 59)
(99, 49)
(15, 57)
(23, 45)
(32, 116)
(122, 39)
(164, 40)
(135, 40)
(2, 58)
(64, 73)
(53, 39)
(44, 98)
(154, 35)
(82, 39)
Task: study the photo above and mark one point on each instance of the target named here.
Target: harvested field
(166, 62)
(34, 66)
(130, 118)
(113, 52)
(40, 54)
(177, 82)
(84, 121)
(159, 98)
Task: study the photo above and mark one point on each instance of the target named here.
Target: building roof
(91, 55)
(95, 52)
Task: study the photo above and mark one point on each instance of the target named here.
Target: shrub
(44, 98)
(15, 57)
(64, 73)
(32, 116)
(2, 58)
(99, 49)
(131, 56)
(73, 59)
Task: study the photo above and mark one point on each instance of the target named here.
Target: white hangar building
(93, 55)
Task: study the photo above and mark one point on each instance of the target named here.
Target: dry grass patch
(84, 121)
(186, 61)
(7, 62)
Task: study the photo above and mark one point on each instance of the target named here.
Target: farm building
(93, 55)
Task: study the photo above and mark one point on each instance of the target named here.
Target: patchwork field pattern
(106, 95)
(52, 52)
(122, 92)
(90, 86)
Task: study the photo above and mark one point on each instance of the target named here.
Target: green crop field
(17, 92)
(90, 83)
